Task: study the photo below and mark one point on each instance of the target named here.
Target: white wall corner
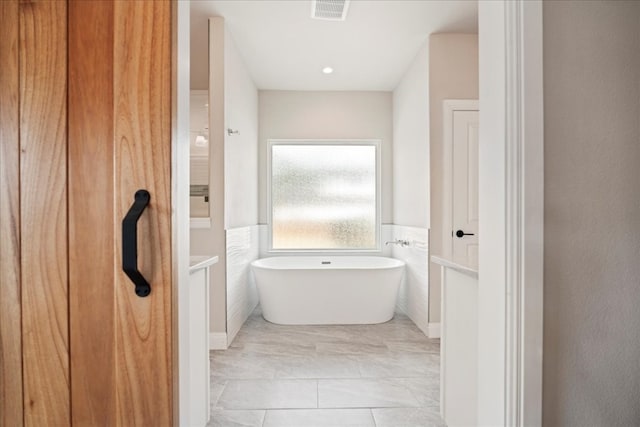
(218, 341)
(434, 330)
(411, 188)
(200, 223)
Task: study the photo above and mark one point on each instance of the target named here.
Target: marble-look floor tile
(220, 418)
(407, 417)
(350, 348)
(269, 394)
(387, 332)
(405, 365)
(364, 393)
(319, 418)
(319, 366)
(233, 363)
(278, 349)
(217, 387)
(354, 373)
(421, 346)
(270, 335)
(357, 334)
(426, 390)
(262, 331)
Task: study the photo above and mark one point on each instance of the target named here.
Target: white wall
(492, 200)
(211, 241)
(411, 144)
(327, 115)
(233, 102)
(592, 213)
(240, 188)
(240, 150)
(453, 74)
(411, 187)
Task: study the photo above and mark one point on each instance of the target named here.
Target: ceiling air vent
(331, 10)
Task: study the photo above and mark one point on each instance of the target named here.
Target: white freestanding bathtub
(326, 290)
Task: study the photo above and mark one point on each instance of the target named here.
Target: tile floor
(356, 375)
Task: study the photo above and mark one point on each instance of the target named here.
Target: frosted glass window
(324, 197)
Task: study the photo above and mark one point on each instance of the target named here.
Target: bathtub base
(329, 296)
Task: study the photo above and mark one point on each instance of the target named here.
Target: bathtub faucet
(399, 242)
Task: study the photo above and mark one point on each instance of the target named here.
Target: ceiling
(283, 48)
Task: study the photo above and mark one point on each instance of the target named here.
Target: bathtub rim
(260, 263)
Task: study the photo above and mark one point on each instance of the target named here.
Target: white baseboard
(217, 341)
(434, 330)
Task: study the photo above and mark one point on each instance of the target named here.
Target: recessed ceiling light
(327, 70)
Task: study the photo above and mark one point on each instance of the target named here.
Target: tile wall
(413, 297)
(242, 294)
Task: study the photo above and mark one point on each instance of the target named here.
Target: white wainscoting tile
(242, 294)
(413, 297)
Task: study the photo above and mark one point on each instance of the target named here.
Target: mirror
(199, 153)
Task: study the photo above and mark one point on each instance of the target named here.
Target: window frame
(377, 144)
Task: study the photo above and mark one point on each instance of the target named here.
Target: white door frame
(511, 185)
(510, 204)
(448, 108)
(180, 208)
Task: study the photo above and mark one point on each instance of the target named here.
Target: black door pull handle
(130, 243)
(461, 233)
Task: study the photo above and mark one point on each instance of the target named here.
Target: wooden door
(465, 185)
(11, 407)
(86, 122)
(34, 286)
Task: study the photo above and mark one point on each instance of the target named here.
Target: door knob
(461, 233)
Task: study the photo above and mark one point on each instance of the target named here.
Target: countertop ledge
(197, 262)
(461, 266)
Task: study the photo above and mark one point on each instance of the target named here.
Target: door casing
(511, 186)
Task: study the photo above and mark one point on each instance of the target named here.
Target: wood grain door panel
(142, 87)
(43, 212)
(85, 121)
(120, 142)
(92, 220)
(10, 310)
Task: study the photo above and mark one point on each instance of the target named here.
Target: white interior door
(464, 233)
